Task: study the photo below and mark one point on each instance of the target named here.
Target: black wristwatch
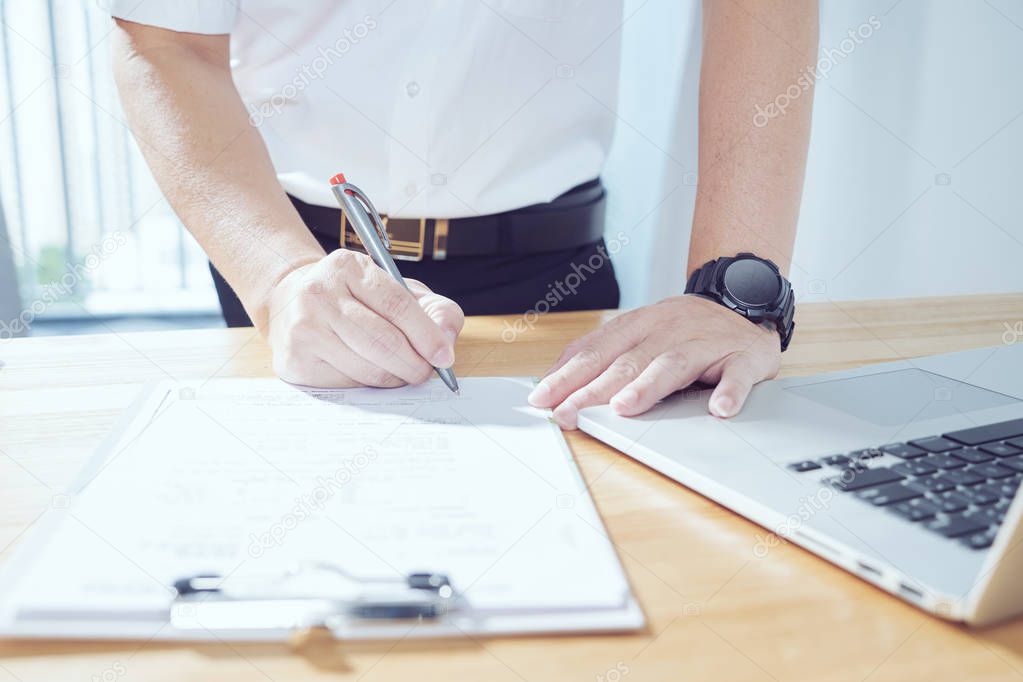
(752, 287)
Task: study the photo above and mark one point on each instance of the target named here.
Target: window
(89, 230)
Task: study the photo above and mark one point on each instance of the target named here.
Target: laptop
(902, 473)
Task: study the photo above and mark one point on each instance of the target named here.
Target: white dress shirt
(436, 108)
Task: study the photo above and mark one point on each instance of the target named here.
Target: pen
(370, 228)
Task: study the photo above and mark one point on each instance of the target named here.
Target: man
(450, 115)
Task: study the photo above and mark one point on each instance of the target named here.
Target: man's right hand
(342, 321)
(337, 320)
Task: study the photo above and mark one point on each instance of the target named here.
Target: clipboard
(313, 593)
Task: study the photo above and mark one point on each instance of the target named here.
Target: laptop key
(991, 471)
(912, 468)
(980, 540)
(915, 510)
(888, 494)
(932, 484)
(1001, 449)
(903, 450)
(935, 444)
(1018, 442)
(979, 496)
(972, 456)
(808, 465)
(951, 502)
(852, 479)
(988, 433)
(944, 462)
(992, 515)
(954, 525)
(1014, 463)
(963, 477)
(835, 460)
(1005, 487)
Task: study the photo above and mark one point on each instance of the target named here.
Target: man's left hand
(643, 355)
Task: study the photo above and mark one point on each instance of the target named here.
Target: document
(244, 478)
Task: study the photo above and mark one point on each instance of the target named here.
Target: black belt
(573, 219)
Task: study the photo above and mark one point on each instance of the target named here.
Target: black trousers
(573, 279)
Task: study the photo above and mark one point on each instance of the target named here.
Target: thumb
(738, 374)
(446, 313)
(442, 310)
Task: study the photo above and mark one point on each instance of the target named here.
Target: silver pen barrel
(348, 196)
(367, 232)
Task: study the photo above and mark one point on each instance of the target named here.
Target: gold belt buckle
(407, 235)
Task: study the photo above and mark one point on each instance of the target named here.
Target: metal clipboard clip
(311, 594)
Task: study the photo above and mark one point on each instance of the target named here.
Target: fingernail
(722, 406)
(452, 336)
(443, 358)
(566, 417)
(540, 396)
(626, 398)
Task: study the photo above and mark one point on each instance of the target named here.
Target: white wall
(916, 159)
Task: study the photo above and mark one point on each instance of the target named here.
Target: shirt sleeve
(212, 17)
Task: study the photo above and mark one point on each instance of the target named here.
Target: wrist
(259, 304)
(750, 286)
(716, 234)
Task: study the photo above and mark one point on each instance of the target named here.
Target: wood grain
(716, 610)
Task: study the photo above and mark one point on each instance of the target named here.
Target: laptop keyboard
(957, 485)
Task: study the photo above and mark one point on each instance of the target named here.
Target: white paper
(244, 477)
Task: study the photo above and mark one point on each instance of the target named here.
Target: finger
(320, 359)
(581, 368)
(621, 372)
(381, 293)
(379, 342)
(617, 326)
(313, 372)
(570, 350)
(738, 374)
(319, 374)
(667, 373)
(296, 360)
(337, 355)
(443, 311)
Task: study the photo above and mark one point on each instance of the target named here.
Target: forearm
(210, 163)
(751, 166)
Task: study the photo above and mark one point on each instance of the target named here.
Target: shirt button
(411, 189)
(412, 88)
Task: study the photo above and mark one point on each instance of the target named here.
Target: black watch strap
(771, 300)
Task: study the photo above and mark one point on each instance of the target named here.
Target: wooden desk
(716, 611)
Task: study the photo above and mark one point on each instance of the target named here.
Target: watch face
(752, 282)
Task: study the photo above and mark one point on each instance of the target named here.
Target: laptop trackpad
(901, 396)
